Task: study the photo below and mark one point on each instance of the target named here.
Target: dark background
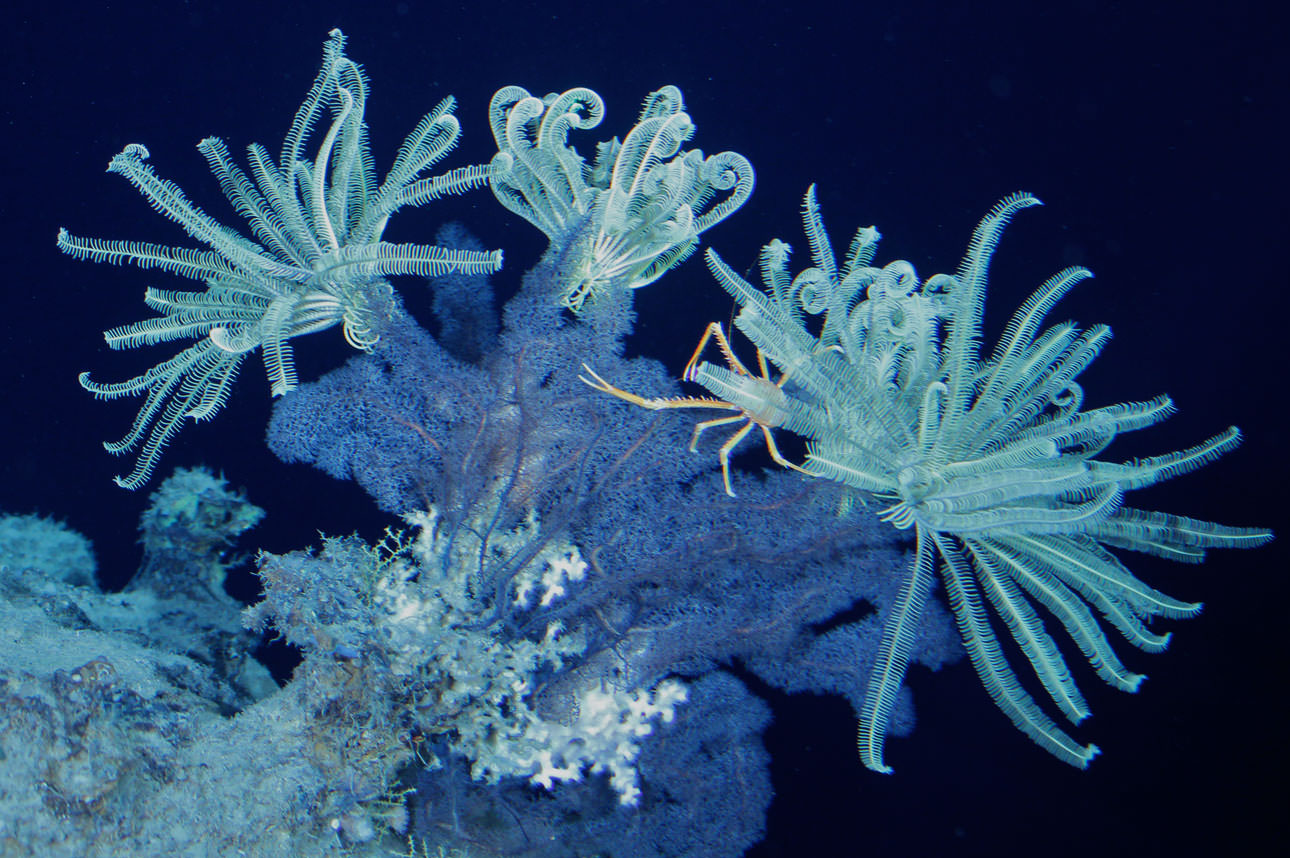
(1155, 133)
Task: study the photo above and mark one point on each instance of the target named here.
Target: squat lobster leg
(765, 391)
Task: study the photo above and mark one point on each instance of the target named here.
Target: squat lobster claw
(768, 396)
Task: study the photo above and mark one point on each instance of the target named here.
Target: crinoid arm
(625, 219)
(992, 463)
(316, 259)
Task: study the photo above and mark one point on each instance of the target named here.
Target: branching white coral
(605, 737)
(478, 687)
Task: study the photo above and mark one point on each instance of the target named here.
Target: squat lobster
(767, 396)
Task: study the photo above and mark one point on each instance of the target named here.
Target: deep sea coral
(557, 651)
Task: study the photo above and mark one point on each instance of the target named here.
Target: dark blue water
(1154, 133)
